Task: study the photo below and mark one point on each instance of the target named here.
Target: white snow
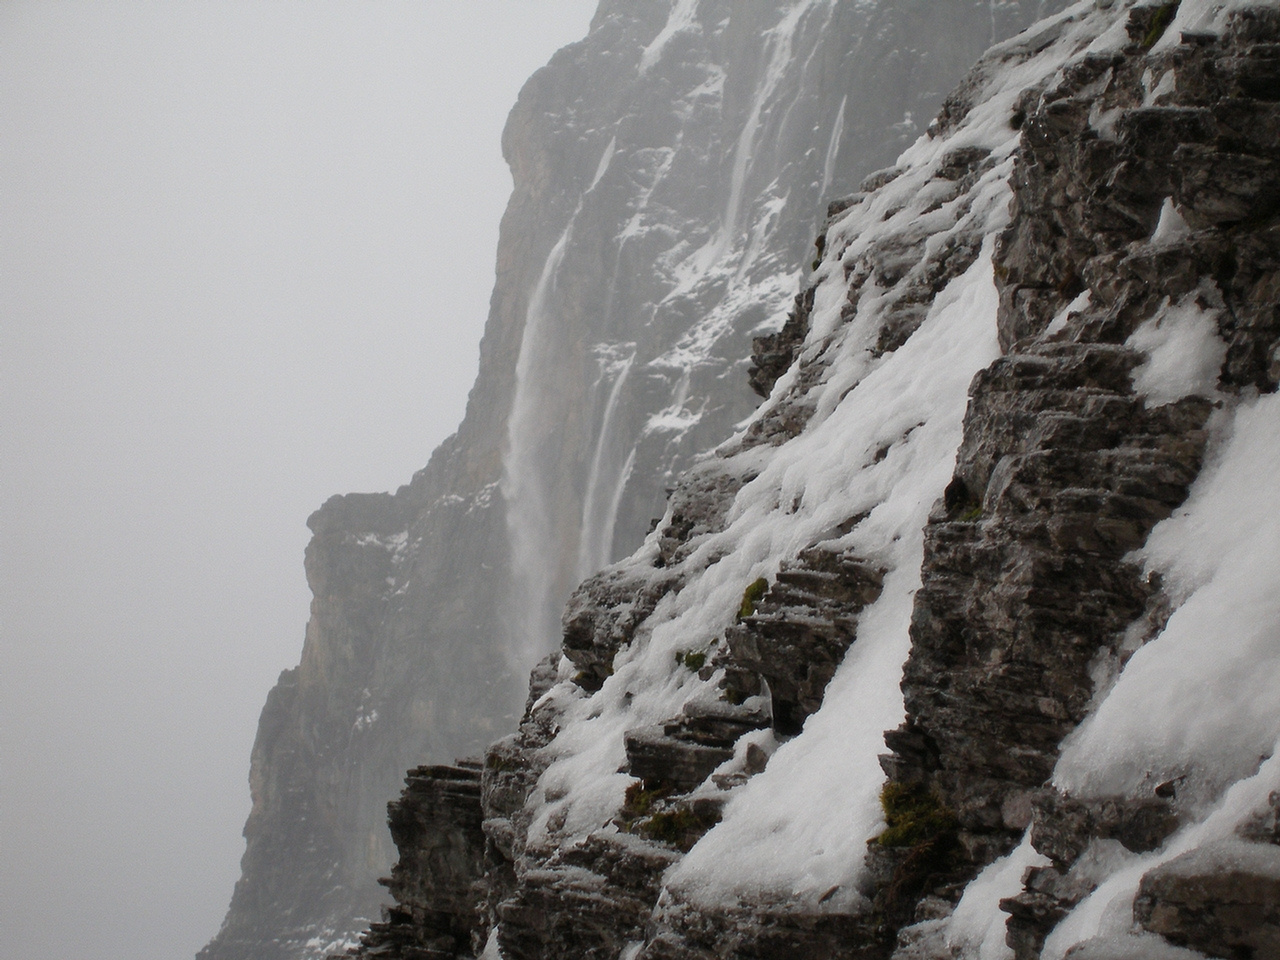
(780, 47)
(680, 19)
(1200, 16)
(1201, 696)
(801, 826)
(799, 829)
(605, 159)
(1198, 700)
(978, 925)
(1059, 322)
(1108, 912)
(1133, 946)
(1172, 227)
(1184, 352)
(1152, 92)
(492, 950)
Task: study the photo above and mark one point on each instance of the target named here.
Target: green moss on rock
(914, 815)
(1159, 24)
(752, 596)
(693, 660)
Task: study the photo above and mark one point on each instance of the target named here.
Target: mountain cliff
(670, 171)
(966, 643)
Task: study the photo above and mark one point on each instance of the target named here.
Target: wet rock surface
(798, 633)
(773, 353)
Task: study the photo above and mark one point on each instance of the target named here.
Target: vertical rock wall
(670, 171)
(1088, 242)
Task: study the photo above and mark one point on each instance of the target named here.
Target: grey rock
(659, 756)
(437, 881)
(1064, 469)
(799, 632)
(1222, 899)
(1131, 948)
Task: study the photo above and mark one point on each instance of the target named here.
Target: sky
(246, 251)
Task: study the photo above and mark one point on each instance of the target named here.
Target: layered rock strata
(669, 170)
(1066, 468)
(1087, 241)
(437, 882)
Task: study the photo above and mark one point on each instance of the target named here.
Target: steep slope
(1009, 500)
(668, 171)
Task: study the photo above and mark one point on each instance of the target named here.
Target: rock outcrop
(437, 883)
(670, 170)
(1222, 899)
(845, 701)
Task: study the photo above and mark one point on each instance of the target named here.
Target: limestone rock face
(670, 172)
(823, 711)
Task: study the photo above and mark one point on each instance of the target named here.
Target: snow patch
(800, 828)
(978, 925)
(1201, 695)
(680, 19)
(1172, 228)
(1059, 322)
(1106, 915)
(1184, 353)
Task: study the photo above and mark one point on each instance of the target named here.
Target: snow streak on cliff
(689, 236)
(878, 443)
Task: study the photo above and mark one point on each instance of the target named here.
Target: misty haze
(641, 480)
